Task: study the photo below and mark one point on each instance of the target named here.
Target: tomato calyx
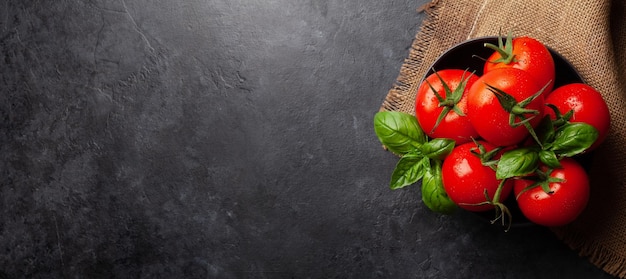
(486, 157)
(505, 50)
(541, 179)
(560, 119)
(518, 109)
(449, 103)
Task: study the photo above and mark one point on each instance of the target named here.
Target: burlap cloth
(592, 36)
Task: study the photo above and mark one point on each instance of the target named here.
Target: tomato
(588, 106)
(488, 116)
(568, 198)
(529, 55)
(429, 109)
(465, 178)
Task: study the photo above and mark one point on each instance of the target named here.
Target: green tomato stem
(507, 58)
(496, 196)
(502, 212)
(505, 50)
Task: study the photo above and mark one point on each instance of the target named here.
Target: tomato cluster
(508, 134)
(514, 132)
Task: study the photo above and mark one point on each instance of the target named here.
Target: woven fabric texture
(592, 36)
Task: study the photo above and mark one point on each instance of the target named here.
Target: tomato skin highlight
(427, 109)
(531, 56)
(465, 178)
(566, 202)
(487, 115)
(588, 106)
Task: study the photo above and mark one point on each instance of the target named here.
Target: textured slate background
(223, 139)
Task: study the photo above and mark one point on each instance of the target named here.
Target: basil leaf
(434, 195)
(409, 169)
(399, 132)
(437, 148)
(573, 138)
(517, 162)
(549, 158)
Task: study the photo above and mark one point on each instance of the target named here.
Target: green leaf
(409, 169)
(549, 159)
(434, 195)
(399, 132)
(573, 138)
(437, 148)
(517, 162)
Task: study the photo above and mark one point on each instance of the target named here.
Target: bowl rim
(553, 52)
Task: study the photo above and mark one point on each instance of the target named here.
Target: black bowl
(471, 55)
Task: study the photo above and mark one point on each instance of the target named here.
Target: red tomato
(567, 200)
(486, 113)
(531, 56)
(465, 178)
(428, 107)
(588, 106)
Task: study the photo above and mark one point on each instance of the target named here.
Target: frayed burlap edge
(400, 90)
(596, 253)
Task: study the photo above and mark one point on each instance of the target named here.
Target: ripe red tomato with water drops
(587, 104)
(528, 54)
(491, 118)
(441, 105)
(465, 178)
(568, 196)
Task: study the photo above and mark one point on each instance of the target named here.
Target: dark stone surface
(223, 139)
